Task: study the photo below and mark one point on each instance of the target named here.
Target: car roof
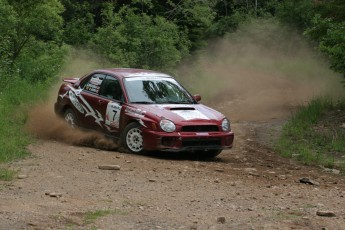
(131, 72)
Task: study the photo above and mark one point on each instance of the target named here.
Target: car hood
(182, 114)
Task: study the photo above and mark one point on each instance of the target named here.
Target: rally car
(143, 110)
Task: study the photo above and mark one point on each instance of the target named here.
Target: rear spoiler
(71, 80)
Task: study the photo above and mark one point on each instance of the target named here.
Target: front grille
(193, 142)
(200, 128)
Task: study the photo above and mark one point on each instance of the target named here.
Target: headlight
(167, 126)
(226, 125)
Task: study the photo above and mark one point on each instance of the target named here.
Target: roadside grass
(15, 101)
(316, 134)
(6, 174)
(92, 216)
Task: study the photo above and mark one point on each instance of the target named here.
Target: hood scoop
(182, 108)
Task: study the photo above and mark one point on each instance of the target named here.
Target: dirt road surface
(248, 187)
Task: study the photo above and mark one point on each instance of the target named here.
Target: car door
(111, 94)
(92, 103)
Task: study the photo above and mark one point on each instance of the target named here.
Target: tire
(71, 118)
(209, 154)
(132, 138)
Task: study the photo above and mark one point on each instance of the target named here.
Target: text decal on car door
(112, 117)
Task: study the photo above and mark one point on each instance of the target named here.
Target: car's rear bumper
(187, 141)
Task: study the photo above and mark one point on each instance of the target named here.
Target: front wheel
(132, 138)
(71, 118)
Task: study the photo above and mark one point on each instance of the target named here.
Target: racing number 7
(115, 112)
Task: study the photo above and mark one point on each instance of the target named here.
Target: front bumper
(186, 141)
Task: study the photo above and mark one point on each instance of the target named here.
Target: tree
(195, 17)
(81, 18)
(322, 21)
(135, 39)
(331, 38)
(35, 20)
(30, 34)
(296, 12)
(334, 9)
(7, 23)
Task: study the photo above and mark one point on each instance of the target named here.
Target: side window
(93, 85)
(111, 89)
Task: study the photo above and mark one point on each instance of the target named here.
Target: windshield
(156, 90)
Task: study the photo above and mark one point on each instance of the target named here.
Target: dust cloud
(44, 124)
(263, 71)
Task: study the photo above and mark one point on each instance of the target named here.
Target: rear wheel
(71, 118)
(132, 138)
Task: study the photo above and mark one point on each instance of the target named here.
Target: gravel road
(63, 186)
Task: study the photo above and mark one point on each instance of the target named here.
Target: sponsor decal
(92, 88)
(135, 112)
(93, 85)
(190, 114)
(112, 117)
(96, 81)
(202, 134)
(75, 101)
(85, 106)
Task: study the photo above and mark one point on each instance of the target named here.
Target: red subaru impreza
(144, 110)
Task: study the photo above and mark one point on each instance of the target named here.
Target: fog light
(169, 141)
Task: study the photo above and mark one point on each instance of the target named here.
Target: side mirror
(76, 85)
(197, 97)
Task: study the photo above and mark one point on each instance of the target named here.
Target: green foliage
(79, 31)
(296, 12)
(30, 45)
(194, 16)
(35, 21)
(333, 44)
(227, 24)
(139, 40)
(40, 62)
(131, 28)
(30, 33)
(310, 137)
(334, 9)
(79, 21)
(323, 22)
(92, 216)
(8, 18)
(21, 88)
(6, 174)
(331, 38)
(15, 101)
(5, 61)
(7, 23)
